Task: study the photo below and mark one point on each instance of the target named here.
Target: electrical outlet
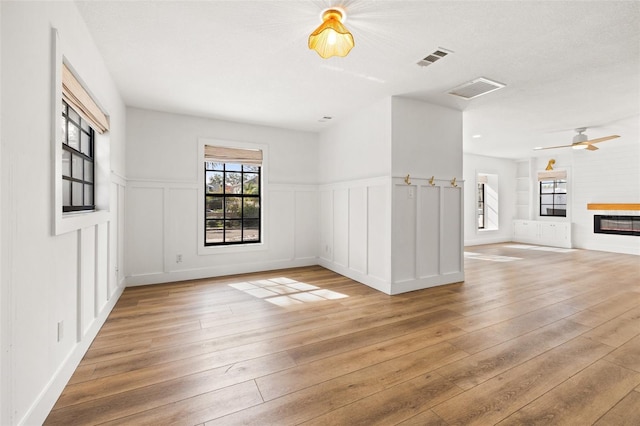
(60, 330)
(178, 258)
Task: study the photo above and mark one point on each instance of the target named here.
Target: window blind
(552, 175)
(82, 102)
(232, 155)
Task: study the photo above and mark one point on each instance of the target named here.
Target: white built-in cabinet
(555, 234)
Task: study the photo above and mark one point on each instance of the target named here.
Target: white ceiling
(566, 64)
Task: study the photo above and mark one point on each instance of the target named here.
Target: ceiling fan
(581, 141)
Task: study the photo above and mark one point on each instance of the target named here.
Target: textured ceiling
(566, 64)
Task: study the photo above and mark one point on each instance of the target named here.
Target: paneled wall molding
(355, 230)
(163, 233)
(41, 407)
(427, 236)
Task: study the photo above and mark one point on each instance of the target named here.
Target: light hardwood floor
(531, 337)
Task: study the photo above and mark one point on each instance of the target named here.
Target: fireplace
(620, 225)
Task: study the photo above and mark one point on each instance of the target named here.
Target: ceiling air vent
(433, 57)
(478, 87)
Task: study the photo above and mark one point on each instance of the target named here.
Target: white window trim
(68, 222)
(264, 199)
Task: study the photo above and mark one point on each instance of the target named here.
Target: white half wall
(355, 230)
(57, 290)
(505, 170)
(163, 190)
(426, 234)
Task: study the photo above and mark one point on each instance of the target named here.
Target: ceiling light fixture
(331, 38)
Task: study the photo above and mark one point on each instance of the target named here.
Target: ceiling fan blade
(606, 138)
(591, 148)
(551, 147)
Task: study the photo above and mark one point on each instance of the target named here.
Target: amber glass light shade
(331, 38)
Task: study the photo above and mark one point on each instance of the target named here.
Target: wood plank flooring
(532, 336)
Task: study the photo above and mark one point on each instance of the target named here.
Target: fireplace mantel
(609, 206)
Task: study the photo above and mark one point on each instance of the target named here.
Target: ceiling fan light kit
(581, 141)
(332, 38)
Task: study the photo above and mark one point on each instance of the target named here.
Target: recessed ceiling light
(476, 136)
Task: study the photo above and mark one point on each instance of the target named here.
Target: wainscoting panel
(325, 224)
(427, 245)
(341, 227)
(451, 241)
(102, 267)
(358, 229)
(87, 282)
(379, 232)
(355, 230)
(145, 232)
(164, 222)
(181, 226)
(306, 223)
(429, 231)
(404, 229)
(281, 233)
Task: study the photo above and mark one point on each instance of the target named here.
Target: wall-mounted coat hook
(407, 180)
(432, 181)
(453, 183)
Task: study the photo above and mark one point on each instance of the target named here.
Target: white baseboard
(217, 271)
(373, 282)
(427, 282)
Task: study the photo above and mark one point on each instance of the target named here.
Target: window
(481, 206)
(232, 179)
(77, 161)
(553, 197)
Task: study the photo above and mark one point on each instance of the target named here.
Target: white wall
(427, 140)
(46, 279)
(609, 175)
(162, 215)
(358, 147)
(505, 169)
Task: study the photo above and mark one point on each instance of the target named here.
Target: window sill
(237, 248)
(72, 221)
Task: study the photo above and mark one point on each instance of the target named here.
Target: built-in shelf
(523, 189)
(609, 206)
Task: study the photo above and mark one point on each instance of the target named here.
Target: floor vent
(433, 57)
(478, 87)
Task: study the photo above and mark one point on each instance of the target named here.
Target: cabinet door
(524, 230)
(548, 232)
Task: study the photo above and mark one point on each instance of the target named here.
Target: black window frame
(554, 212)
(83, 157)
(481, 206)
(209, 166)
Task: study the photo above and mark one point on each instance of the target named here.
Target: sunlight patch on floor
(286, 292)
(490, 257)
(541, 248)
